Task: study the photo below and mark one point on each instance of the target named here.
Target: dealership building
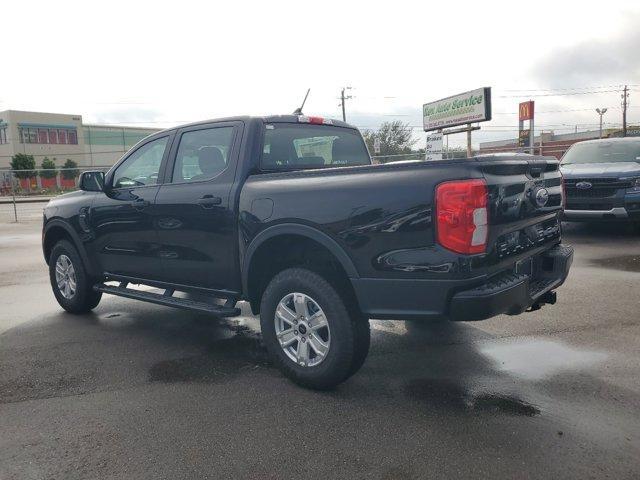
(550, 144)
(64, 136)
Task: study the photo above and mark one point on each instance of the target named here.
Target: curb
(5, 201)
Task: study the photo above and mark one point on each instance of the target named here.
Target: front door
(197, 227)
(122, 219)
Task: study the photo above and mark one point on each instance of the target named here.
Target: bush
(70, 169)
(48, 168)
(21, 161)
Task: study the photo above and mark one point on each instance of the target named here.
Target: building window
(48, 135)
(3, 135)
(42, 135)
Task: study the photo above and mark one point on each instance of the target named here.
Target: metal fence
(22, 187)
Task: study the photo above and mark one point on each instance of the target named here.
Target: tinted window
(603, 152)
(202, 154)
(296, 146)
(142, 167)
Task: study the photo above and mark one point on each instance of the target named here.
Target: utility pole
(625, 96)
(601, 112)
(342, 99)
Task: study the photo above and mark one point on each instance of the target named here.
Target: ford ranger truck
(288, 214)
(602, 180)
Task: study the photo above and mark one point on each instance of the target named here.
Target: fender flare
(295, 229)
(75, 238)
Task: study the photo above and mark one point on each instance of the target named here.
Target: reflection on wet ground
(536, 359)
(442, 365)
(224, 358)
(626, 263)
(448, 394)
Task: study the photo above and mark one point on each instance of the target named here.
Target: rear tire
(71, 285)
(297, 293)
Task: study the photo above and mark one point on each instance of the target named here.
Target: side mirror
(92, 181)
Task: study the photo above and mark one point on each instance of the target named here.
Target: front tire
(308, 330)
(71, 285)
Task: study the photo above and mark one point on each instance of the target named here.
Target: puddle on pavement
(626, 263)
(538, 359)
(224, 359)
(447, 394)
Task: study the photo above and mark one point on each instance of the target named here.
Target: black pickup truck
(288, 214)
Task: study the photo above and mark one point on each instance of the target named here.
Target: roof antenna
(298, 111)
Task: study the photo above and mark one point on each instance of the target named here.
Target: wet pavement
(136, 390)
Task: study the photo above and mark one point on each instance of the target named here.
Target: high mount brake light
(462, 216)
(314, 120)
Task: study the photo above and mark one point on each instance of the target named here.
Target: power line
(558, 94)
(563, 89)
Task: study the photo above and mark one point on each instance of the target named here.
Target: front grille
(599, 182)
(600, 187)
(597, 192)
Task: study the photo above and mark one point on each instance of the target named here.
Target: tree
(70, 169)
(24, 164)
(48, 168)
(395, 138)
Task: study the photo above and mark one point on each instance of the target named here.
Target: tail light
(461, 216)
(314, 120)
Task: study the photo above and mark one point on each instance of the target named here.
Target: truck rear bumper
(511, 293)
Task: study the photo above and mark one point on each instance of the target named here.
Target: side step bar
(226, 310)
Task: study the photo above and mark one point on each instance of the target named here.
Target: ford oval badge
(541, 197)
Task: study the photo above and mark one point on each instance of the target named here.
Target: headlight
(634, 181)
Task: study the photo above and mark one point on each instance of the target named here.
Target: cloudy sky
(164, 63)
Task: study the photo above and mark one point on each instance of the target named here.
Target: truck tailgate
(525, 198)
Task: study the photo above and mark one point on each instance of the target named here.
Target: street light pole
(601, 112)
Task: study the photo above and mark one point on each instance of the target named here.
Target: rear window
(295, 146)
(603, 152)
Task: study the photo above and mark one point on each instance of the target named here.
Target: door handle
(139, 204)
(209, 201)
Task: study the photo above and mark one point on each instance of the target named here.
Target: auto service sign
(468, 107)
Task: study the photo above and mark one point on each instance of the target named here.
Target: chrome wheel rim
(65, 277)
(302, 329)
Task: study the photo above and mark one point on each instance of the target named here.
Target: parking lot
(135, 390)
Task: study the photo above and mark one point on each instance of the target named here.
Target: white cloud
(192, 60)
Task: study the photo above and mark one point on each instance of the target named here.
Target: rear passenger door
(196, 223)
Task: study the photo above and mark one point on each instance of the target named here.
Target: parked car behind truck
(602, 180)
(288, 214)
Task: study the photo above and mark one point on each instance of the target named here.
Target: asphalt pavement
(135, 390)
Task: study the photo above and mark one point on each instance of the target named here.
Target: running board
(166, 299)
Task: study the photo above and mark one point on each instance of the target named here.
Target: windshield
(290, 146)
(603, 152)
